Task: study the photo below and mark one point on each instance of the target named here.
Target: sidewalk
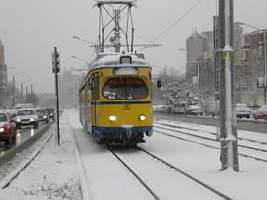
(52, 175)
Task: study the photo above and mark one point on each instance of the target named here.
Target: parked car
(242, 110)
(51, 113)
(7, 129)
(179, 108)
(160, 108)
(194, 110)
(261, 113)
(43, 115)
(25, 117)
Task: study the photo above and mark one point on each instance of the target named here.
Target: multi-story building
(3, 76)
(252, 67)
(195, 46)
(199, 67)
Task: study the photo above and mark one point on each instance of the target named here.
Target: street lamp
(80, 59)
(14, 86)
(264, 32)
(91, 44)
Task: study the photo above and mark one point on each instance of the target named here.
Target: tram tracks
(209, 142)
(168, 170)
(211, 133)
(149, 169)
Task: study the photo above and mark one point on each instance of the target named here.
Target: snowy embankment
(52, 175)
(204, 163)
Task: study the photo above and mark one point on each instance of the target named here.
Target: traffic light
(55, 61)
(159, 84)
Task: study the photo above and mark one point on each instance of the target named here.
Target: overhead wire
(178, 19)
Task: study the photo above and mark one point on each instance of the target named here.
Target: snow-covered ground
(54, 174)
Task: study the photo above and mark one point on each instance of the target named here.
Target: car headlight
(31, 119)
(18, 120)
(45, 116)
(112, 118)
(2, 130)
(142, 117)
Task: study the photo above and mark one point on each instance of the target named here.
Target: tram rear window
(125, 88)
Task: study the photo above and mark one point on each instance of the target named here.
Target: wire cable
(178, 20)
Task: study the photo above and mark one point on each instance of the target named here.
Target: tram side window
(95, 87)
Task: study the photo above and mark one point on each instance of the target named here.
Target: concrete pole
(228, 136)
(265, 66)
(198, 79)
(21, 93)
(27, 95)
(13, 91)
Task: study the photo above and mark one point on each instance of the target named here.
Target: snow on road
(204, 163)
(108, 179)
(54, 173)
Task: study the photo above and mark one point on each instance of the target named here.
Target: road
(22, 135)
(249, 125)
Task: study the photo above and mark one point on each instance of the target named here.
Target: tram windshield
(125, 88)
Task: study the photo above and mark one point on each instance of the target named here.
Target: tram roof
(114, 60)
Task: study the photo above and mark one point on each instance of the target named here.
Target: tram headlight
(2, 130)
(112, 118)
(142, 117)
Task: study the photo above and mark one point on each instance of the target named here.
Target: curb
(12, 152)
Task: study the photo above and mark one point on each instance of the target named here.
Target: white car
(25, 117)
(242, 110)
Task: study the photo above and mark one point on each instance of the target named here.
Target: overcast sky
(30, 28)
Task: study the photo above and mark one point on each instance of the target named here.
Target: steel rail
(221, 194)
(211, 139)
(84, 180)
(207, 145)
(211, 132)
(249, 125)
(134, 174)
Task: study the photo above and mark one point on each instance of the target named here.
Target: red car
(7, 129)
(261, 113)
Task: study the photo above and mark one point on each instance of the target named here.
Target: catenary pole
(13, 91)
(265, 65)
(228, 135)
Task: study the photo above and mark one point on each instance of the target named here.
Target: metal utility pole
(117, 43)
(265, 65)
(27, 95)
(198, 80)
(228, 131)
(55, 70)
(21, 93)
(13, 91)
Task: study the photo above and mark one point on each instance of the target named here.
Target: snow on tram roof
(111, 59)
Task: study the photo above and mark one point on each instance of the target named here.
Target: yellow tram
(116, 99)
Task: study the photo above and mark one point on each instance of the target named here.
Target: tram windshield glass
(125, 88)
